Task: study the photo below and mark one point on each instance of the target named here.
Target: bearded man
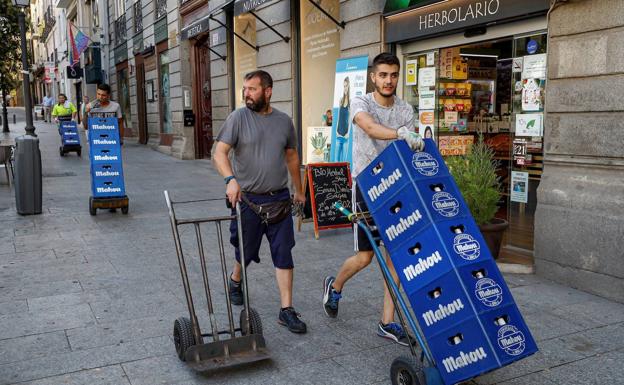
(264, 146)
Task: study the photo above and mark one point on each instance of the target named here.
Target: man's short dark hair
(385, 58)
(104, 87)
(266, 80)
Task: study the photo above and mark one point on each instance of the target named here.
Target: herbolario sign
(242, 6)
(415, 21)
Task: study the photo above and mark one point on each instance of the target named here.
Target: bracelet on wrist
(227, 179)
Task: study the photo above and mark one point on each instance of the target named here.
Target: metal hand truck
(70, 138)
(416, 369)
(207, 351)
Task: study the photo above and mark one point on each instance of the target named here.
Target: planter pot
(493, 233)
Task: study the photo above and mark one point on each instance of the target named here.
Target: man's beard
(257, 105)
(381, 91)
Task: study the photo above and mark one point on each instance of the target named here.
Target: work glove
(413, 140)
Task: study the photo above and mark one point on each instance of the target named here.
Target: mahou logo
(489, 292)
(425, 164)
(466, 247)
(445, 204)
(511, 340)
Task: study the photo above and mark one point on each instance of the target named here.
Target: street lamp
(30, 128)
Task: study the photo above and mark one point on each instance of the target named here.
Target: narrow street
(92, 299)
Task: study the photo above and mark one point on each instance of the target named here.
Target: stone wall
(580, 215)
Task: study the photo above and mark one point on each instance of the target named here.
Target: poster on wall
(426, 100)
(350, 82)
(534, 66)
(519, 186)
(317, 144)
(455, 144)
(426, 77)
(532, 95)
(426, 128)
(411, 66)
(529, 124)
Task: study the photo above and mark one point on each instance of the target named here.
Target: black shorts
(281, 235)
(361, 242)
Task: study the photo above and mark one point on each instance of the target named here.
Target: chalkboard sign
(328, 183)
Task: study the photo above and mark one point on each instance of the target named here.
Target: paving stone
(108, 375)
(43, 303)
(33, 346)
(58, 364)
(114, 333)
(23, 324)
(598, 370)
(24, 290)
(13, 307)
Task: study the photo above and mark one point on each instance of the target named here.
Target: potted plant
(475, 175)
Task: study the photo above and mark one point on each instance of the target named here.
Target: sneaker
(236, 292)
(393, 331)
(330, 297)
(290, 318)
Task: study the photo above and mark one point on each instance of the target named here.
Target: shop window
(245, 56)
(123, 89)
(320, 48)
(495, 90)
(165, 93)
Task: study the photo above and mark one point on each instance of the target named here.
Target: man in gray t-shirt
(103, 107)
(378, 119)
(263, 142)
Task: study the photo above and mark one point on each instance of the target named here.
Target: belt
(270, 193)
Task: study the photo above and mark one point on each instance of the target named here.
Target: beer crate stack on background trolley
(70, 139)
(462, 305)
(107, 180)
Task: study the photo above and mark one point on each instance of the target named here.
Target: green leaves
(10, 51)
(475, 175)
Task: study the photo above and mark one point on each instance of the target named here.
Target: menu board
(328, 183)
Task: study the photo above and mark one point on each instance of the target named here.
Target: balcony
(120, 30)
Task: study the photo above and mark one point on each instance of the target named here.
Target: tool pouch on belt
(270, 212)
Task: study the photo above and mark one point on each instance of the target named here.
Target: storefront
(478, 69)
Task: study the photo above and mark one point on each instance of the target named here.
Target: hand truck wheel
(124, 210)
(92, 210)
(255, 323)
(183, 336)
(406, 370)
(61, 152)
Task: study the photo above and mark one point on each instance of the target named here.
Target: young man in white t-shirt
(378, 119)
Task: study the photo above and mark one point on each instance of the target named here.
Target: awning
(242, 6)
(413, 19)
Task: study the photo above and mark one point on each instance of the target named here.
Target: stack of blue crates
(107, 179)
(69, 133)
(460, 300)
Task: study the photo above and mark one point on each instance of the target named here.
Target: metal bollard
(14, 119)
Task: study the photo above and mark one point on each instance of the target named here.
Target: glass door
(165, 93)
(528, 90)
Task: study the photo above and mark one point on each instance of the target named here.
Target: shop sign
(456, 15)
(519, 151)
(242, 6)
(529, 124)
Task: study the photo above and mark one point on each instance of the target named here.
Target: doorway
(203, 100)
(141, 107)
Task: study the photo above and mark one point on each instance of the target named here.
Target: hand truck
(415, 369)
(207, 351)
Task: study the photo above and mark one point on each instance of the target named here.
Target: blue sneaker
(393, 331)
(330, 297)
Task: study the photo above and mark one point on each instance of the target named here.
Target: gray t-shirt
(365, 149)
(259, 143)
(111, 110)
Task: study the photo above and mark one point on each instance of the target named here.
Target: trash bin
(27, 175)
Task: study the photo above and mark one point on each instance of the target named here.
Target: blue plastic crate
(107, 170)
(420, 260)
(463, 241)
(69, 133)
(104, 138)
(107, 187)
(401, 217)
(485, 286)
(441, 304)
(462, 351)
(382, 179)
(425, 164)
(105, 154)
(442, 199)
(103, 125)
(508, 334)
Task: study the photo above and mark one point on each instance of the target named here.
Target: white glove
(413, 139)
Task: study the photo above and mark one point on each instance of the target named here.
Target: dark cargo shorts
(281, 235)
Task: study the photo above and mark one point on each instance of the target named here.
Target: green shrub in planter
(475, 175)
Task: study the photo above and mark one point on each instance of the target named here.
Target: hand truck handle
(350, 216)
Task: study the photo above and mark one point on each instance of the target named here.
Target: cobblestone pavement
(92, 300)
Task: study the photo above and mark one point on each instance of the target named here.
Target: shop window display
(494, 89)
